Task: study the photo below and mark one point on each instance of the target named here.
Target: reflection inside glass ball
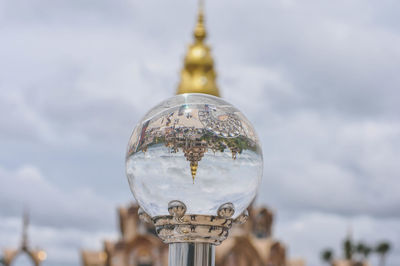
(215, 140)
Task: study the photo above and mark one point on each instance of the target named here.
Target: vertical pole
(191, 254)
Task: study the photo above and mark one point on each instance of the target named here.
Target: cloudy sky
(320, 81)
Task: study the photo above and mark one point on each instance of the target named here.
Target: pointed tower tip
(198, 74)
(200, 32)
(193, 169)
(25, 225)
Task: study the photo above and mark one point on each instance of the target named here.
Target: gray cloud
(332, 165)
(338, 63)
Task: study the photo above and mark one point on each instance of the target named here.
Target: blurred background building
(250, 244)
(12, 255)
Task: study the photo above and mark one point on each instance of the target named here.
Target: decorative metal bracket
(192, 228)
(179, 227)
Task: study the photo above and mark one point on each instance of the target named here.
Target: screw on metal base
(226, 210)
(144, 216)
(192, 228)
(242, 218)
(176, 208)
(179, 227)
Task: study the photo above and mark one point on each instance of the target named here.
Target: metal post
(191, 254)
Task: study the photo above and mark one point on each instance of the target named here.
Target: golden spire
(193, 169)
(198, 74)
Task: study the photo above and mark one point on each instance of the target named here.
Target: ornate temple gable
(277, 255)
(10, 256)
(295, 262)
(238, 251)
(37, 256)
(137, 246)
(348, 263)
(122, 214)
(263, 247)
(128, 218)
(251, 251)
(262, 222)
(94, 258)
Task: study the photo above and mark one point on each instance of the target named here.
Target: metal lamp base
(192, 228)
(192, 238)
(179, 228)
(191, 254)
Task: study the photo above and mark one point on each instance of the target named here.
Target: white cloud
(51, 205)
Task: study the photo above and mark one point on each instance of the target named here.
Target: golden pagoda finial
(193, 169)
(200, 32)
(198, 74)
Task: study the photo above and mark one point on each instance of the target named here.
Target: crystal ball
(197, 149)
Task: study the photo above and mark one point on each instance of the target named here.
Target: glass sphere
(197, 149)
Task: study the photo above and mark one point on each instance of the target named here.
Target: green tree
(382, 249)
(363, 250)
(359, 249)
(327, 255)
(367, 251)
(348, 249)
